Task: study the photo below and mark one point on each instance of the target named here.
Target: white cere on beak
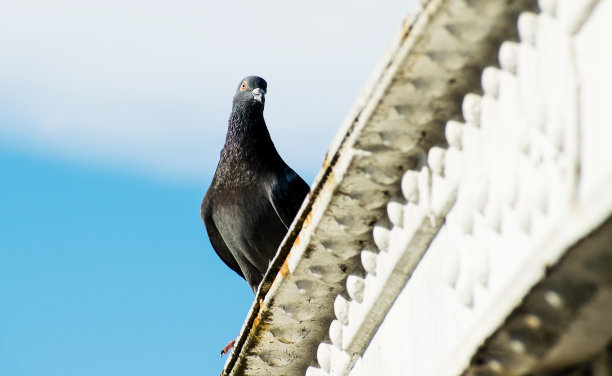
(259, 95)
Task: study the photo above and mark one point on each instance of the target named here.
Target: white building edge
(462, 221)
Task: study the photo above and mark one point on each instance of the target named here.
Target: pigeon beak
(259, 95)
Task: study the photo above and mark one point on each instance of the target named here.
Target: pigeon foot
(228, 347)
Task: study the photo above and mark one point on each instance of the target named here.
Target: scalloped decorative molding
(451, 203)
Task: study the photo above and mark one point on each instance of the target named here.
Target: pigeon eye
(243, 86)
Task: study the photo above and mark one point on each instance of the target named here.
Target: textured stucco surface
(467, 168)
(519, 278)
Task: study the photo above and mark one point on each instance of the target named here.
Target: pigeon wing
(216, 240)
(287, 192)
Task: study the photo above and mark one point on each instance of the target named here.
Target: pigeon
(254, 196)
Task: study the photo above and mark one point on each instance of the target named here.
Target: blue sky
(106, 274)
(112, 116)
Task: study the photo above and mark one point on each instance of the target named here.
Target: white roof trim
(436, 59)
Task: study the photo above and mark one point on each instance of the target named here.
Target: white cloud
(148, 84)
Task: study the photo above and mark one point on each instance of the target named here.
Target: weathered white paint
(537, 137)
(444, 199)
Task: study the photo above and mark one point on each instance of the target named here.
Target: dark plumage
(254, 195)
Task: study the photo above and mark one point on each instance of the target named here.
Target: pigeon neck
(247, 134)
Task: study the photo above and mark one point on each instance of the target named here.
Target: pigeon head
(251, 92)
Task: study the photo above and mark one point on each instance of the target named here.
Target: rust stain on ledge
(307, 221)
(406, 27)
(283, 271)
(326, 161)
(257, 319)
(305, 225)
(296, 242)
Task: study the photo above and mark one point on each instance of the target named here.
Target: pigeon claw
(228, 347)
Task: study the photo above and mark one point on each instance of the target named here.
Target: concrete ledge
(434, 61)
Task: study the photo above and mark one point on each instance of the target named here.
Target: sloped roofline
(435, 59)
